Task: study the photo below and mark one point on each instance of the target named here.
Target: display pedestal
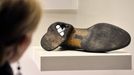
(75, 60)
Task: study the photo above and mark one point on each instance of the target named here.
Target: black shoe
(101, 37)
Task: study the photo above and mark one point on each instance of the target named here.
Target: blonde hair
(17, 17)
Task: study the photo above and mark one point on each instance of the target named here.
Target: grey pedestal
(74, 60)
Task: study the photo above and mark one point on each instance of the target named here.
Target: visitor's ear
(21, 47)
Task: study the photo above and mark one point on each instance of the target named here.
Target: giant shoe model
(101, 37)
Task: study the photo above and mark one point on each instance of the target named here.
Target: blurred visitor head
(18, 20)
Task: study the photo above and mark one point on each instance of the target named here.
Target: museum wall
(90, 12)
